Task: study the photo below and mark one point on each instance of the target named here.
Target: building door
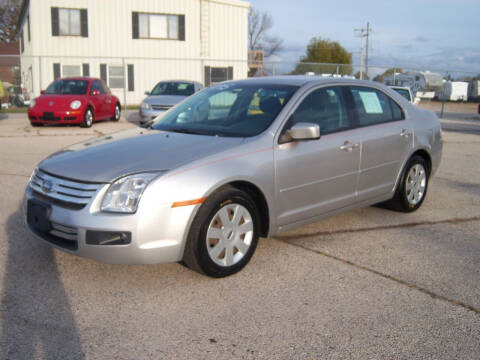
(215, 75)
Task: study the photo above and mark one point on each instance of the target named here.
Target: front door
(314, 177)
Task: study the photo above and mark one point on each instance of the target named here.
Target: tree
(325, 52)
(259, 25)
(9, 13)
(389, 72)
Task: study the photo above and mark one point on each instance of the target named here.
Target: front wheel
(87, 119)
(224, 234)
(413, 185)
(116, 113)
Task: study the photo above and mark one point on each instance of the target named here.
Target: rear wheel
(413, 185)
(87, 118)
(116, 113)
(224, 234)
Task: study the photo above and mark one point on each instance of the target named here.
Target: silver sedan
(235, 162)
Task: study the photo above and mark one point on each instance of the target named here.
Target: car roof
(399, 87)
(86, 78)
(301, 80)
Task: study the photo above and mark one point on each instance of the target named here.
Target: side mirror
(94, 92)
(147, 93)
(304, 131)
(42, 92)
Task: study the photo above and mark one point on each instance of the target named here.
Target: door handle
(405, 133)
(348, 146)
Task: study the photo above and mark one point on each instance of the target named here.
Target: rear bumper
(56, 116)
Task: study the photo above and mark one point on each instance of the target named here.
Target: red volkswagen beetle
(79, 100)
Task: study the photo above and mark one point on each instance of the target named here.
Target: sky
(423, 34)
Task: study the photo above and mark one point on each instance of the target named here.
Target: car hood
(164, 99)
(132, 151)
(55, 101)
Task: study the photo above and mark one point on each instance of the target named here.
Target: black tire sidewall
(402, 192)
(200, 228)
(84, 123)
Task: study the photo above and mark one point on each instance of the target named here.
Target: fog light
(108, 237)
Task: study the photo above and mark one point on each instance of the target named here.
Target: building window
(116, 77)
(70, 70)
(69, 21)
(158, 26)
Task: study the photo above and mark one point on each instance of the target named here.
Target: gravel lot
(368, 284)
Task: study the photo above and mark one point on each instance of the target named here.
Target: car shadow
(3, 116)
(37, 320)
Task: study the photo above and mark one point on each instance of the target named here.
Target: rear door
(386, 140)
(317, 176)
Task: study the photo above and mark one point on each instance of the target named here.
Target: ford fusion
(232, 163)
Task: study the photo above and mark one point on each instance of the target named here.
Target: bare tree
(258, 39)
(9, 12)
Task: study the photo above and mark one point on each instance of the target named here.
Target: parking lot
(368, 284)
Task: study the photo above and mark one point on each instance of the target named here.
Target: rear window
(404, 92)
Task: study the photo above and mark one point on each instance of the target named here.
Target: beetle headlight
(75, 104)
(145, 106)
(32, 104)
(124, 194)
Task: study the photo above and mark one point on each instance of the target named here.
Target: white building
(135, 43)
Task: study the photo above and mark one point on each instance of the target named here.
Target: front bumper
(38, 116)
(157, 235)
(147, 115)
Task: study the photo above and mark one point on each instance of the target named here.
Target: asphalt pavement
(367, 284)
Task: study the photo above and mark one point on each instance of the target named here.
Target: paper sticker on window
(371, 103)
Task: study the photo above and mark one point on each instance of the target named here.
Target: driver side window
(324, 107)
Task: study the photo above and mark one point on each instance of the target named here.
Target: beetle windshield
(235, 109)
(68, 87)
(178, 88)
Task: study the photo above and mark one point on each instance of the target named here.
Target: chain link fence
(23, 77)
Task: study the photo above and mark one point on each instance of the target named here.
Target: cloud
(421, 39)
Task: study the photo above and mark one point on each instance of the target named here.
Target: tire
(116, 113)
(412, 188)
(87, 118)
(203, 253)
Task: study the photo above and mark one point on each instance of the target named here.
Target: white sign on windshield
(371, 103)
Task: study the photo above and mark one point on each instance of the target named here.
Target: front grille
(70, 118)
(161, 107)
(60, 235)
(49, 116)
(62, 192)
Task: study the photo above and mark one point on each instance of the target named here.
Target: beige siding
(220, 42)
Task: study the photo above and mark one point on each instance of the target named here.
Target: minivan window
(173, 88)
(235, 110)
(325, 107)
(373, 106)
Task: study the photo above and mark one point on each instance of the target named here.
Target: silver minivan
(237, 161)
(165, 95)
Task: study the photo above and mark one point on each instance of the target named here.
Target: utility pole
(366, 56)
(364, 33)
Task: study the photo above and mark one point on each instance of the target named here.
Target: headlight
(32, 104)
(124, 194)
(75, 104)
(145, 106)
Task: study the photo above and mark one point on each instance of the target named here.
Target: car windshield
(404, 92)
(235, 110)
(67, 87)
(173, 88)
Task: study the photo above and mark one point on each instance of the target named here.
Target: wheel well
(426, 156)
(259, 199)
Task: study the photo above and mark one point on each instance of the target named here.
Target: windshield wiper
(188, 131)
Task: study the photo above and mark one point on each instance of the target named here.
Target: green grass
(14, 111)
